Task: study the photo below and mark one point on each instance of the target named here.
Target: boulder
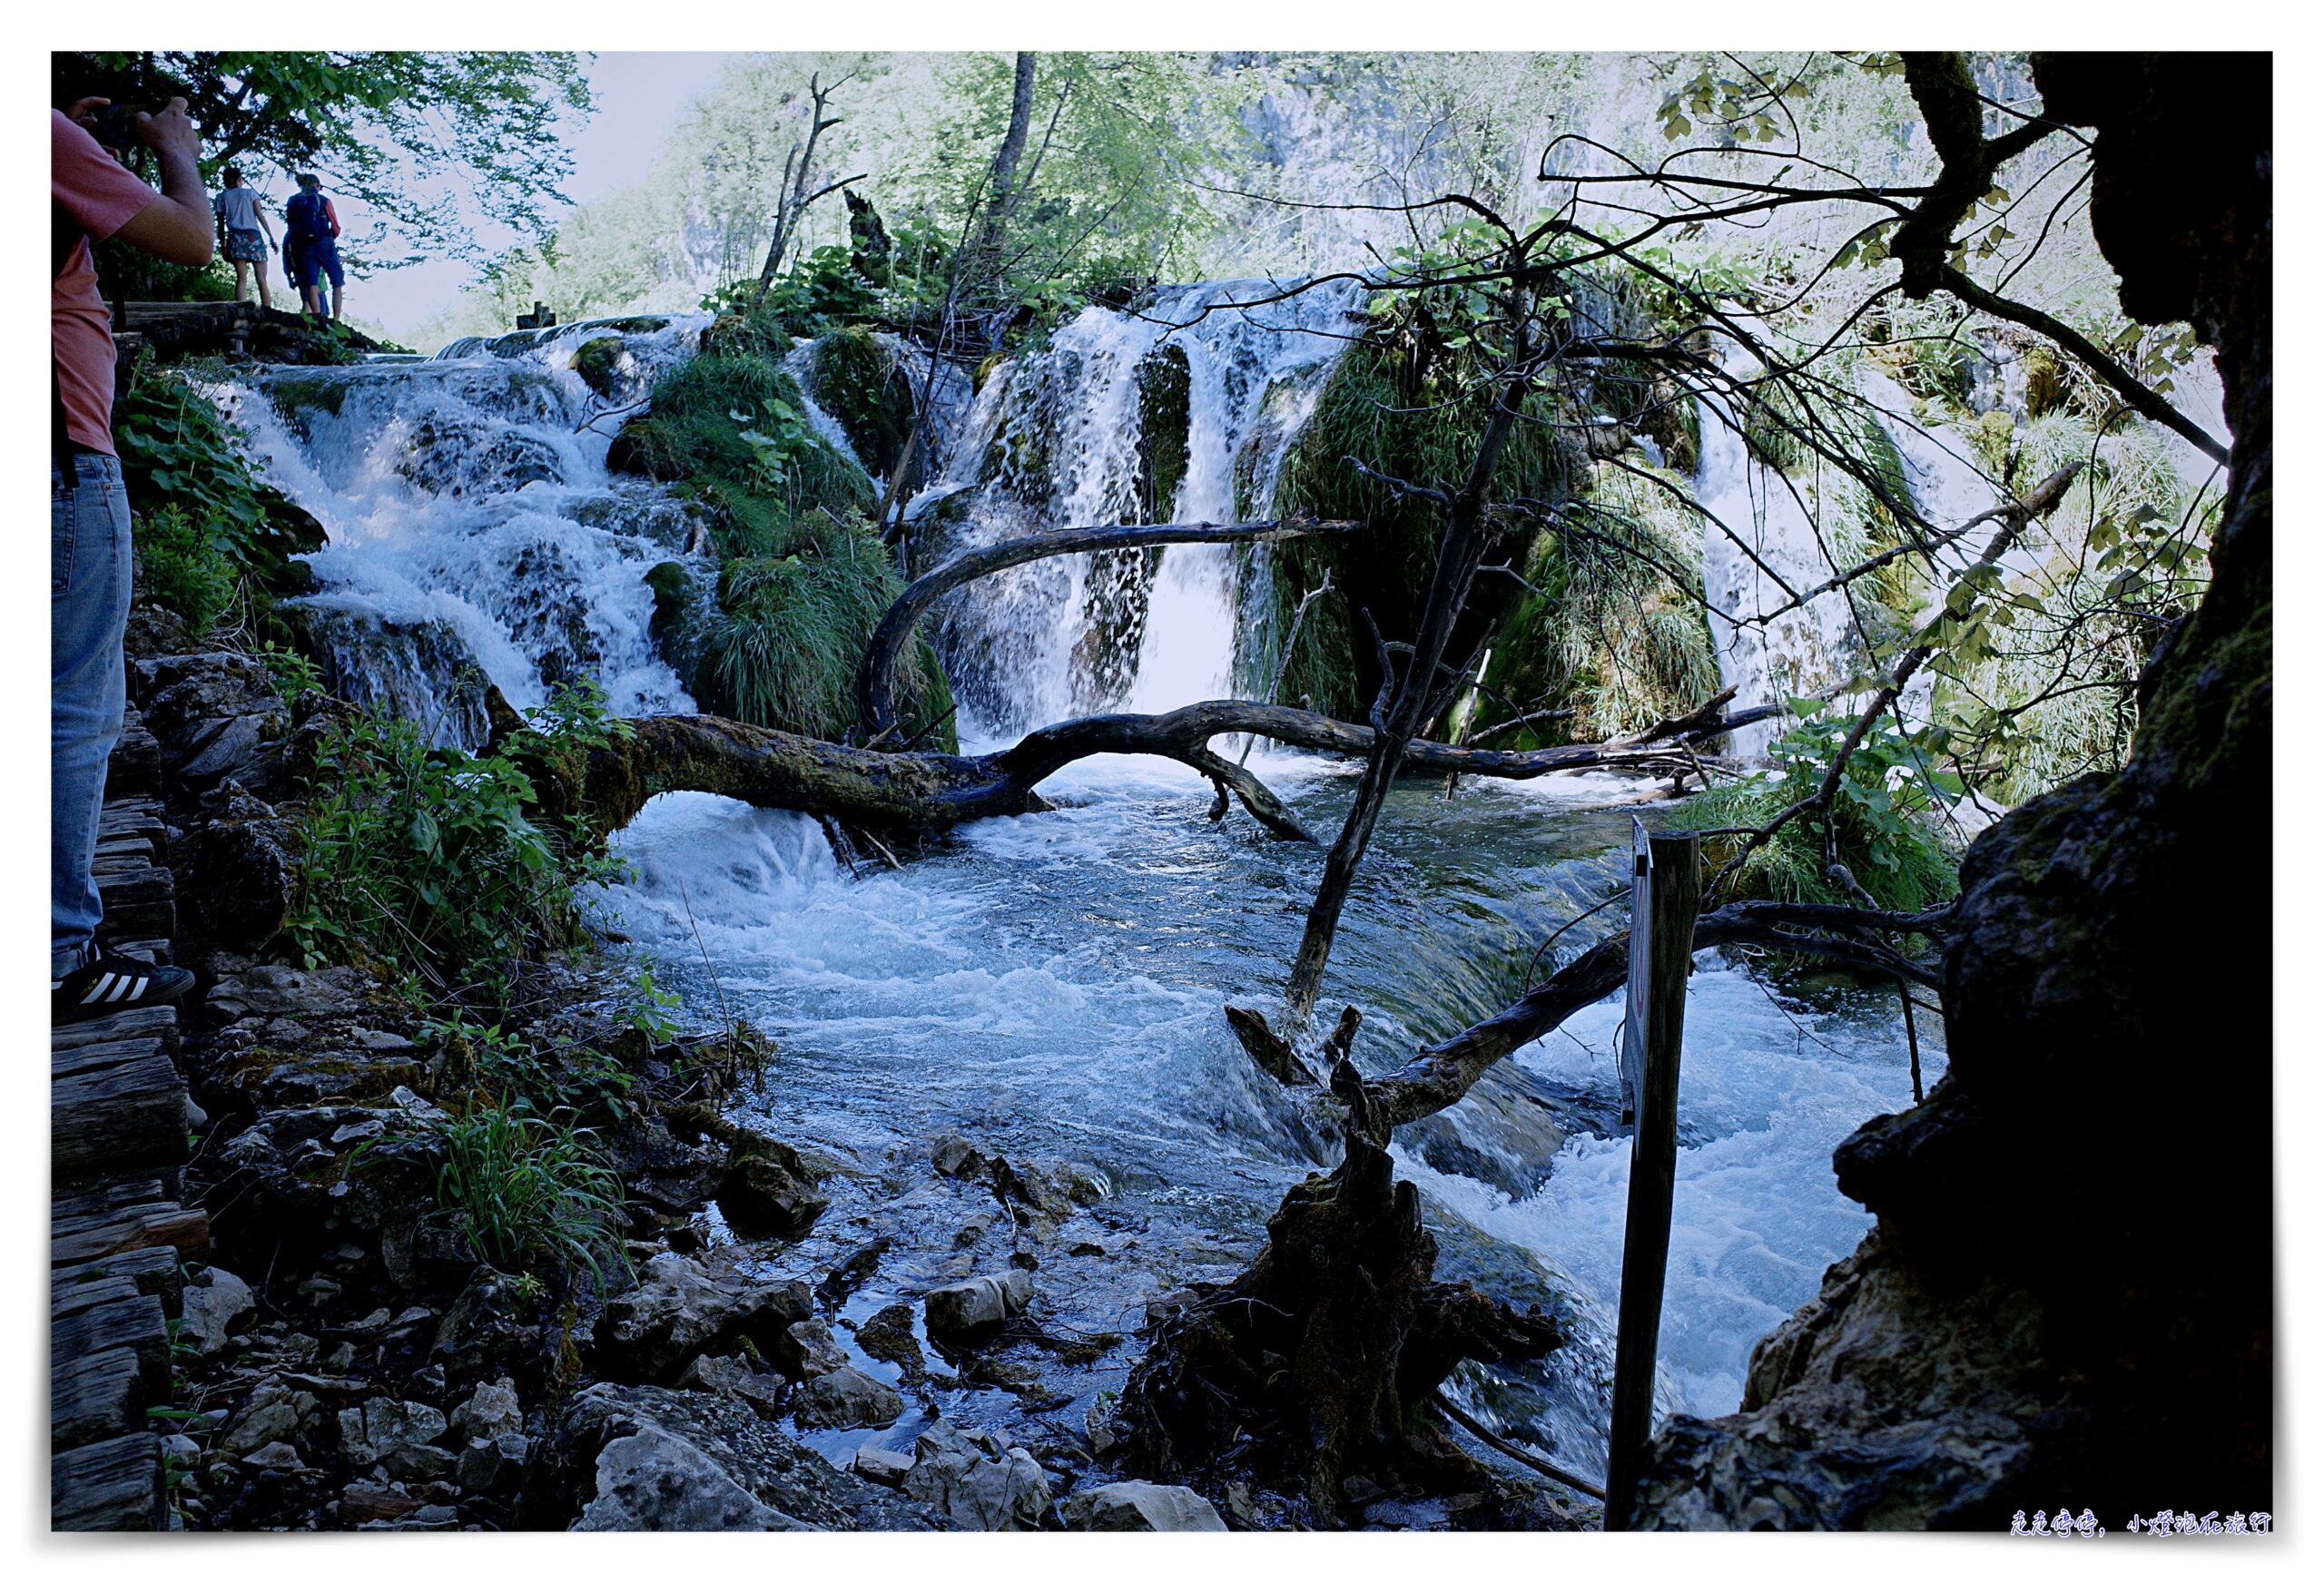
(978, 1303)
(681, 1308)
(239, 865)
(768, 1191)
(978, 1480)
(808, 1349)
(880, 1465)
(735, 1376)
(482, 1336)
(847, 1398)
(215, 1301)
(655, 1482)
(731, 1446)
(490, 1412)
(1135, 1506)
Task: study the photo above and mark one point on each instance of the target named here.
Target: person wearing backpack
(92, 197)
(313, 226)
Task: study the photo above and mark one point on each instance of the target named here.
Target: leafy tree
(406, 132)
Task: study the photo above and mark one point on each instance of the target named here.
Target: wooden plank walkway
(118, 1236)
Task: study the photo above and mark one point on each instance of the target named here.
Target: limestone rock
(681, 1309)
(492, 1467)
(847, 1398)
(733, 1445)
(490, 1412)
(735, 1377)
(978, 1480)
(655, 1482)
(215, 1301)
(767, 1190)
(396, 1435)
(978, 1303)
(1135, 1506)
(880, 1465)
(808, 1349)
(275, 1412)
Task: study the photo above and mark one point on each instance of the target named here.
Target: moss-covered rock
(1164, 384)
(600, 362)
(867, 393)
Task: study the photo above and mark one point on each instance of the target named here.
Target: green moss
(1164, 385)
(598, 362)
(694, 436)
(296, 396)
(860, 385)
(1413, 415)
(786, 641)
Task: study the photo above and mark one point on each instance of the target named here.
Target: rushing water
(1050, 986)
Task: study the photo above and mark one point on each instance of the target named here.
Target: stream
(1049, 986)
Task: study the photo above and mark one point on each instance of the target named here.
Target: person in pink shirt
(92, 197)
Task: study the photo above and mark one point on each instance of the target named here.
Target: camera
(115, 127)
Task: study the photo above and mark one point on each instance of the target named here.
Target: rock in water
(1134, 1506)
(768, 1191)
(978, 1480)
(847, 1398)
(968, 1306)
(681, 1309)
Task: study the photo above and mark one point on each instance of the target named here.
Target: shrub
(179, 454)
(423, 860)
(530, 1190)
(1884, 817)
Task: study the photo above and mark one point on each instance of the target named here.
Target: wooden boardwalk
(119, 1133)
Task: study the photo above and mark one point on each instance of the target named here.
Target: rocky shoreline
(347, 1360)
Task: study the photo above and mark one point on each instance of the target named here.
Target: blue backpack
(305, 214)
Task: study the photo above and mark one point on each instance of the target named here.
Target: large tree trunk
(2068, 1301)
(926, 792)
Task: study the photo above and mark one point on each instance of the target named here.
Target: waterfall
(474, 529)
(1059, 437)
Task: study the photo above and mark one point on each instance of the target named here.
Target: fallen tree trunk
(1437, 1077)
(876, 682)
(609, 782)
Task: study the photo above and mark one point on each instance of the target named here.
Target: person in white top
(244, 234)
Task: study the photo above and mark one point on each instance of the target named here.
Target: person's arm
(176, 225)
(332, 215)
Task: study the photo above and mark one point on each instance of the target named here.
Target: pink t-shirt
(90, 191)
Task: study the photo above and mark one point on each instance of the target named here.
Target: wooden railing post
(1667, 889)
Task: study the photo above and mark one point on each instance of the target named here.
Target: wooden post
(1668, 875)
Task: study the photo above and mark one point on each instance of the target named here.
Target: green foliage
(208, 527)
(1615, 638)
(792, 628)
(185, 569)
(859, 383)
(423, 859)
(1406, 407)
(512, 1069)
(530, 1190)
(729, 427)
(1883, 818)
(403, 131)
(294, 675)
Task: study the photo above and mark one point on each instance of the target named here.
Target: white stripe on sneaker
(138, 992)
(119, 990)
(96, 988)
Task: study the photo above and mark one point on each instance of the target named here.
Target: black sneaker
(108, 983)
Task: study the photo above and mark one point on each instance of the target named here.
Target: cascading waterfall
(1051, 985)
(472, 522)
(1065, 441)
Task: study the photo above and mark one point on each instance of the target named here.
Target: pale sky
(640, 96)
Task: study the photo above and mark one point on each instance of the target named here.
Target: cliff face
(2064, 1303)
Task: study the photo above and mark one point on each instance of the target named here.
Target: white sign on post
(1632, 1063)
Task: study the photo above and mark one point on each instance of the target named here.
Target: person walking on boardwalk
(92, 197)
(245, 235)
(313, 225)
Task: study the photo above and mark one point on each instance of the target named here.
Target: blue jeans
(88, 606)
